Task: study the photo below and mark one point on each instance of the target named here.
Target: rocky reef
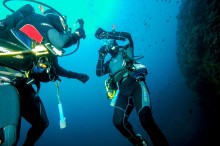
(198, 53)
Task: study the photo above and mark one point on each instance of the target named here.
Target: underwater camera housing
(111, 88)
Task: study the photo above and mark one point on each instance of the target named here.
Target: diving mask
(112, 47)
(111, 44)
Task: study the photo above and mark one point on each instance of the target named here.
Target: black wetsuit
(133, 92)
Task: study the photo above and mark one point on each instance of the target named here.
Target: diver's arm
(60, 40)
(72, 41)
(76, 36)
(101, 67)
(102, 34)
(121, 36)
(74, 75)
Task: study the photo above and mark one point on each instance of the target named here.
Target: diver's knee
(145, 115)
(44, 125)
(8, 135)
(41, 126)
(144, 111)
(118, 123)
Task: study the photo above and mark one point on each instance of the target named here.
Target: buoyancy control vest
(124, 64)
(119, 64)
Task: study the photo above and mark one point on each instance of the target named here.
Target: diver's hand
(102, 52)
(81, 23)
(82, 77)
(80, 32)
(101, 33)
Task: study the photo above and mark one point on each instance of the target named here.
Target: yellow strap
(38, 50)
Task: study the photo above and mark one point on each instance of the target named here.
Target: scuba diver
(23, 32)
(127, 83)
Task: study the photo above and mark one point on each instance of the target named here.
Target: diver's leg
(9, 114)
(32, 109)
(142, 103)
(122, 111)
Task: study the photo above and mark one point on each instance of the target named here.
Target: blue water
(152, 23)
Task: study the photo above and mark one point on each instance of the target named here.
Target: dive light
(62, 118)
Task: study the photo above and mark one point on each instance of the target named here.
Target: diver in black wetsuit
(129, 77)
(47, 29)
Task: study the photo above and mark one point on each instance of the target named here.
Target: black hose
(138, 57)
(34, 1)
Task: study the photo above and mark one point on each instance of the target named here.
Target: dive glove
(81, 23)
(82, 77)
(102, 52)
(101, 34)
(80, 31)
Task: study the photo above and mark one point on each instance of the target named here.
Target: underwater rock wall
(198, 54)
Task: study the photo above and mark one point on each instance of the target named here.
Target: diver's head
(111, 43)
(112, 46)
(58, 22)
